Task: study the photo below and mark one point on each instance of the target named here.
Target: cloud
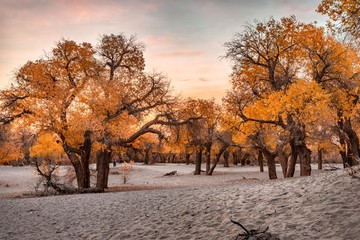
(180, 53)
(201, 79)
(159, 41)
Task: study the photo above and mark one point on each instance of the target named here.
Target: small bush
(125, 170)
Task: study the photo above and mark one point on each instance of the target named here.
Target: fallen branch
(170, 173)
(253, 234)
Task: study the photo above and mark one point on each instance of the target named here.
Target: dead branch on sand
(170, 173)
(253, 234)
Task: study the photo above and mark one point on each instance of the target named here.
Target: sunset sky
(184, 38)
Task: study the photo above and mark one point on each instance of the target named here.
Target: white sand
(323, 206)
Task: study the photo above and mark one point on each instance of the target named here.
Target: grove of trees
(294, 97)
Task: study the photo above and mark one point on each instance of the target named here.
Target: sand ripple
(325, 206)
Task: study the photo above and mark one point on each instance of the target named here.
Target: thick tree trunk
(269, 156)
(80, 160)
(320, 158)
(82, 173)
(235, 158)
(305, 161)
(261, 161)
(270, 159)
(298, 149)
(290, 171)
(343, 151)
(349, 141)
(283, 162)
(226, 159)
(244, 159)
(103, 159)
(208, 158)
(147, 158)
(187, 158)
(198, 162)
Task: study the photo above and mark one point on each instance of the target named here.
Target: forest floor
(184, 206)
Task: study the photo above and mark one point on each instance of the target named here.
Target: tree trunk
(81, 171)
(298, 148)
(320, 158)
(208, 158)
(235, 159)
(270, 159)
(283, 159)
(80, 160)
(261, 161)
(305, 161)
(244, 158)
(103, 159)
(146, 159)
(290, 171)
(187, 158)
(218, 157)
(343, 151)
(226, 159)
(349, 141)
(198, 162)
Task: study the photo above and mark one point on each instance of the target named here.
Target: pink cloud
(201, 79)
(181, 53)
(159, 41)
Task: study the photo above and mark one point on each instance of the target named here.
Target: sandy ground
(184, 206)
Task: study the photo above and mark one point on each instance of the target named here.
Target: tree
(265, 54)
(10, 146)
(84, 99)
(270, 95)
(51, 89)
(201, 133)
(344, 14)
(335, 66)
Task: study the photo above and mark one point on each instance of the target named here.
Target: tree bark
(81, 163)
(270, 159)
(226, 158)
(208, 157)
(290, 171)
(261, 161)
(235, 158)
(244, 158)
(103, 159)
(80, 171)
(187, 158)
(283, 162)
(349, 141)
(320, 158)
(305, 161)
(198, 162)
(147, 158)
(298, 148)
(218, 157)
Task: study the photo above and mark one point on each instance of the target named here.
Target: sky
(184, 38)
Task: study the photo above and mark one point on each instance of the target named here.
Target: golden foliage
(345, 14)
(47, 146)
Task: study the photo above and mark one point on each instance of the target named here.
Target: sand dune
(323, 206)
